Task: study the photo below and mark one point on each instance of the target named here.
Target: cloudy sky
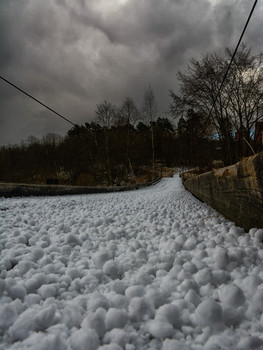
(72, 55)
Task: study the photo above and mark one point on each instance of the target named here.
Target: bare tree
(237, 106)
(129, 112)
(106, 113)
(128, 117)
(52, 139)
(245, 94)
(32, 140)
(149, 112)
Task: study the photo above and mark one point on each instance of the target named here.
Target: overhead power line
(232, 58)
(35, 99)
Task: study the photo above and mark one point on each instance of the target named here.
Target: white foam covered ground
(147, 269)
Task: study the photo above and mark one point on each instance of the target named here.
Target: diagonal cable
(232, 59)
(35, 99)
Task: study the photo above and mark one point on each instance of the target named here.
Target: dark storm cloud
(73, 55)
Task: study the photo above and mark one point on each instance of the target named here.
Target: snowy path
(148, 269)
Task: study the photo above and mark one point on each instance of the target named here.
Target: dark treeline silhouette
(93, 154)
(125, 144)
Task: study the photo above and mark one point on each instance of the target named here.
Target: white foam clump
(24, 266)
(84, 339)
(232, 295)
(72, 316)
(250, 342)
(146, 269)
(115, 318)
(203, 277)
(221, 258)
(192, 297)
(44, 318)
(100, 258)
(258, 237)
(73, 240)
(117, 336)
(23, 326)
(8, 316)
(35, 282)
(112, 346)
(111, 269)
(216, 342)
(17, 292)
(96, 320)
(208, 313)
(47, 291)
(140, 309)
(97, 300)
(160, 328)
(74, 273)
(134, 291)
(258, 300)
(172, 344)
(169, 313)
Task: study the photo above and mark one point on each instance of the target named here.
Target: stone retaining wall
(235, 191)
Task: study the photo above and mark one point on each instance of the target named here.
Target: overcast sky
(72, 55)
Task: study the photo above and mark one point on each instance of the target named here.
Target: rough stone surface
(235, 191)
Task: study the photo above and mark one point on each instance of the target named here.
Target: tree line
(125, 143)
(122, 145)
